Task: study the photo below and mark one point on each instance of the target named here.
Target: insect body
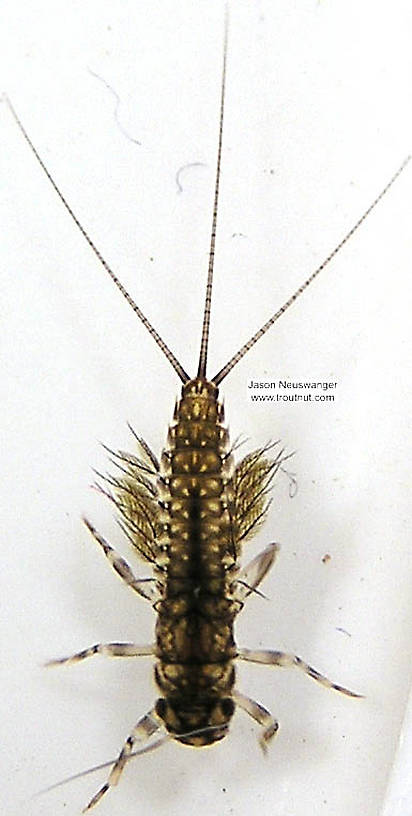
(188, 516)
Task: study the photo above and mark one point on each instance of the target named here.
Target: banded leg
(106, 649)
(142, 731)
(272, 658)
(144, 587)
(260, 714)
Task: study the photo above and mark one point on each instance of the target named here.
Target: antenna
(160, 342)
(208, 299)
(266, 326)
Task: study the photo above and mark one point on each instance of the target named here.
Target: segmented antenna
(250, 343)
(208, 299)
(162, 345)
(220, 376)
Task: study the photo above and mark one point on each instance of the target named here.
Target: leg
(270, 658)
(144, 729)
(144, 587)
(106, 649)
(260, 714)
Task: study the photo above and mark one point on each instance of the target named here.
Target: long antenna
(208, 299)
(162, 345)
(250, 343)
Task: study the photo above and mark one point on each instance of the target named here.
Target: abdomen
(194, 630)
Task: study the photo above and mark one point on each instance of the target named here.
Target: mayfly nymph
(187, 515)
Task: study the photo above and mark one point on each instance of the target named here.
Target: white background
(318, 98)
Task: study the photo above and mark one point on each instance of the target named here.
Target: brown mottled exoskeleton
(187, 516)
